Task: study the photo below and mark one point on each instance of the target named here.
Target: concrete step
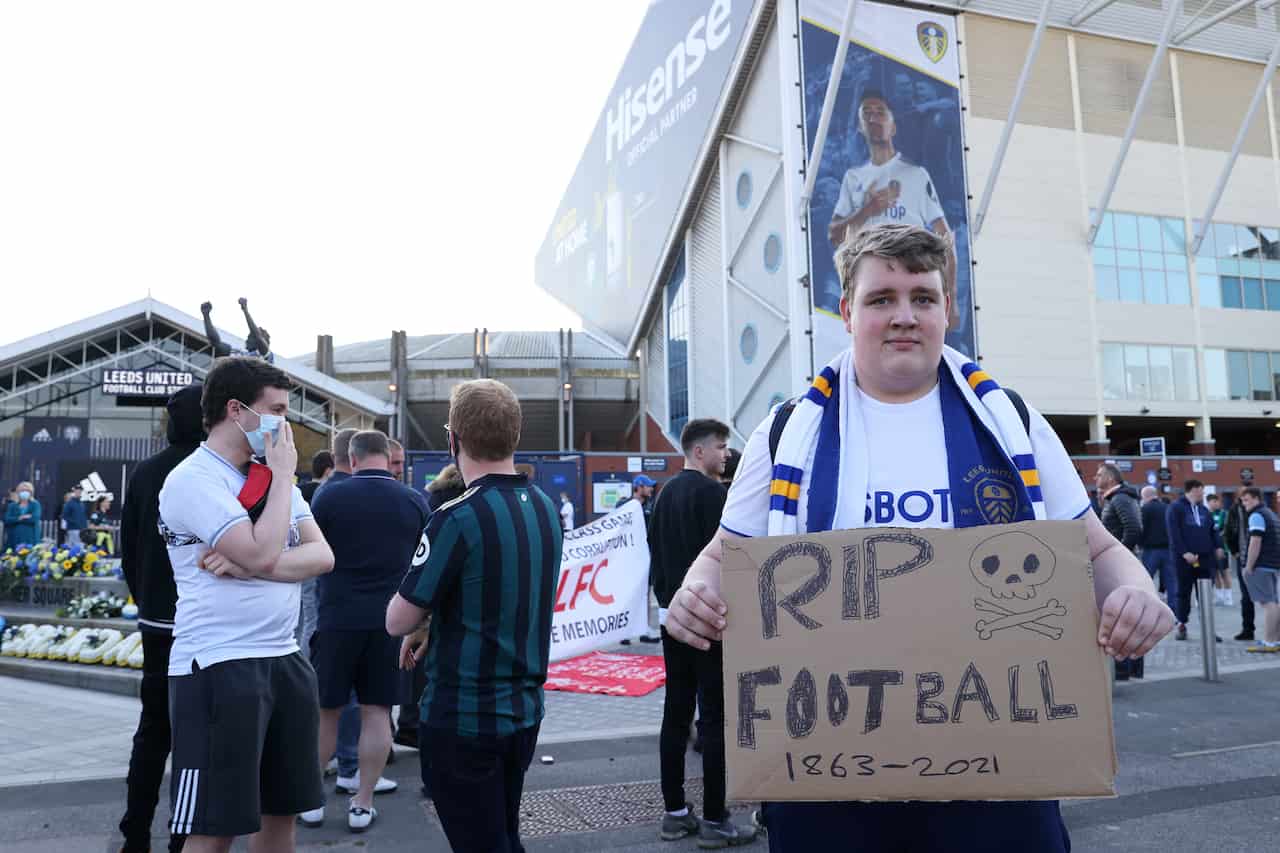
(106, 679)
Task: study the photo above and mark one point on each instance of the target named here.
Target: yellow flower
(22, 552)
(66, 564)
(91, 557)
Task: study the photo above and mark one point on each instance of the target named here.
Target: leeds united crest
(933, 40)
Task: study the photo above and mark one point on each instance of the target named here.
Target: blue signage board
(1151, 446)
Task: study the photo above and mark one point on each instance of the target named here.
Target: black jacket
(1155, 534)
(445, 488)
(1122, 517)
(1235, 535)
(143, 555)
(684, 519)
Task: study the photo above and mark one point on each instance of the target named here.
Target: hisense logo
(648, 96)
(94, 488)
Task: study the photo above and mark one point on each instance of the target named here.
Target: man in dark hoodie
(145, 561)
(1122, 517)
(1195, 545)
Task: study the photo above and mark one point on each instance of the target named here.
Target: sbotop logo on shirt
(913, 507)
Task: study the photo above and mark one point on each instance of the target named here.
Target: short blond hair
(917, 249)
(485, 418)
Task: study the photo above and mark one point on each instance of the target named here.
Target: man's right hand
(876, 202)
(282, 455)
(1190, 558)
(412, 648)
(206, 307)
(696, 616)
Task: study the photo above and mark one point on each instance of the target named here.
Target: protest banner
(893, 664)
(602, 594)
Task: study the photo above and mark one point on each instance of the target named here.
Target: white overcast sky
(350, 168)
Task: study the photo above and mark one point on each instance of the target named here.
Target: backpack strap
(785, 410)
(1021, 405)
(779, 424)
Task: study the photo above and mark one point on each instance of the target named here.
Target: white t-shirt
(907, 480)
(566, 515)
(917, 202)
(219, 618)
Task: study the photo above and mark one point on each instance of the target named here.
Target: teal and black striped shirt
(486, 569)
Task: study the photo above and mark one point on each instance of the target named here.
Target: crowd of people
(269, 612)
(314, 612)
(1191, 538)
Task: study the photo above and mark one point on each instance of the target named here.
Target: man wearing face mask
(240, 539)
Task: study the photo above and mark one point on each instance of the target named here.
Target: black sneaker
(674, 828)
(645, 638)
(625, 642)
(1245, 636)
(1182, 633)
(716, 835)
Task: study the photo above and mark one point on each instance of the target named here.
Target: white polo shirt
(221, 618)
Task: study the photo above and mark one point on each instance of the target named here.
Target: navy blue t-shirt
(373, 523)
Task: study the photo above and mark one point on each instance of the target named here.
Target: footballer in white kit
(888, 188)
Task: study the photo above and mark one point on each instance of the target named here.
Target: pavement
(1198, 768)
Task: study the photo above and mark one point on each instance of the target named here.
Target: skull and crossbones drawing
(1011, 566)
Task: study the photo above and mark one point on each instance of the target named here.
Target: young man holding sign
(900, 431)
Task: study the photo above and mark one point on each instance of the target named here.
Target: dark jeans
(1159, 563)
(689, 670)
(1246, 601)
(150, 746)
(477, 787)
(1187, 577)
(916, 827)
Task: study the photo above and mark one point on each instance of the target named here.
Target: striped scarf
(821, 458)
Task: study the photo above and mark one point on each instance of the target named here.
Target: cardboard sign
(894, 664)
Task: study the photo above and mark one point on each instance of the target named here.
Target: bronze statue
(257, 343)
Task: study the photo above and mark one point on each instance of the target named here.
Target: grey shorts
(1263, 585)
(244, 745)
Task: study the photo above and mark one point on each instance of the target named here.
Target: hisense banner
(602, 249)
(602, 594)
(895, 148)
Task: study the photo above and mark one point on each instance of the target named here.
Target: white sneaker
(313, 818)
(1229, 597)
(331, 768)
(359, 818)
(351, 784)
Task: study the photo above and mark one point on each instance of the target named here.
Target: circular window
(744, 189)
(772, 253)
(748, 343)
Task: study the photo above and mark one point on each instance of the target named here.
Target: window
(1141, 259)
(1260, 374)
(1215, 374)
(1242, 375)
(677, 349)
(1238, 375)
(1141, 372)
(1245, 262)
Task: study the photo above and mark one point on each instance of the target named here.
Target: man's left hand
(1133, 621)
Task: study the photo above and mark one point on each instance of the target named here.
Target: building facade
(1122, 233)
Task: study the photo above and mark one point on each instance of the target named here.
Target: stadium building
(1109, 170)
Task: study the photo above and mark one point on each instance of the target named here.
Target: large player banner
(602, 594)
(895, 148)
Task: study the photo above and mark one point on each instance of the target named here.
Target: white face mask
(257, 438)
(24, 495)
